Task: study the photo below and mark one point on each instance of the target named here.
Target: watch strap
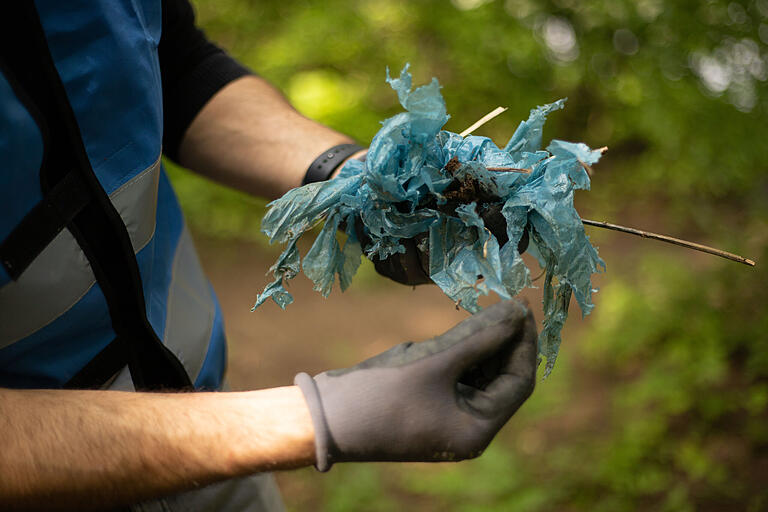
(328, 161)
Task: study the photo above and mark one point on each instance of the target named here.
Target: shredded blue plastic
(396, 193)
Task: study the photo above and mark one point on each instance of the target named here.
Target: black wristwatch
(328, 161)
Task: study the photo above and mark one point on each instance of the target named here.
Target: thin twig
(607, 225)
(670, 240)
(480, 122)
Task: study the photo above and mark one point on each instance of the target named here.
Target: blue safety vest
(54, 318)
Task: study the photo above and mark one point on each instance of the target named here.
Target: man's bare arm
(95, 449)
(249, 137)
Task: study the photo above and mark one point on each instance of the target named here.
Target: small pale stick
(480, 122)
(670, 240)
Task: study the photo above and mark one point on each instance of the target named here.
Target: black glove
(412, 267)
(442, 399)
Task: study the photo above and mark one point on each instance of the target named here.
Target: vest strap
(101, 368)
(97, 225)
(41, 225)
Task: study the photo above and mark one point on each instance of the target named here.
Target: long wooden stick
(607, 225)
(480, 122)
(670, 240)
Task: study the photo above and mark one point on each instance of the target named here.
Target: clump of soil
(453, 165)
(462, 190)
(467, 189)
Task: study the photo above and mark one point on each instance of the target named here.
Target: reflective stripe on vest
(192, 318)
(54, 318)
(28, 304)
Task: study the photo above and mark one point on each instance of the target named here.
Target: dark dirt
(453, 165)
(461, 191)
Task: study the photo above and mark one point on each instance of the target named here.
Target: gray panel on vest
(139, 219)
(61, 274)
(190, 308)
(31, 303)
(190, 312)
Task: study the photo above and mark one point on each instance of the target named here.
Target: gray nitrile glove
(442, 399)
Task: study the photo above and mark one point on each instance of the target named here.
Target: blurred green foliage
(677, 354)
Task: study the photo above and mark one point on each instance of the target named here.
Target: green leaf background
(666, 393)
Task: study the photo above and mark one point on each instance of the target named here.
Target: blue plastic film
(407, 188)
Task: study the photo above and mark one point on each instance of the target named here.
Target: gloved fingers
(479, 376)
(482, 336)
(500, 403)
(522, 357)
(522, 245)
(505, 393)
(404, 268)
(408, 268)
(496, 223)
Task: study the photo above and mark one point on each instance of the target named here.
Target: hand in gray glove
(442, 399)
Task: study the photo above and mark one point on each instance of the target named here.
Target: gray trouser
(257, 493)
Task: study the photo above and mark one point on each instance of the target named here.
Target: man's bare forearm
(249, 137)
(90, 449)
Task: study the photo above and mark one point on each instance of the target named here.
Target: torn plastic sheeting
(404, 189)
